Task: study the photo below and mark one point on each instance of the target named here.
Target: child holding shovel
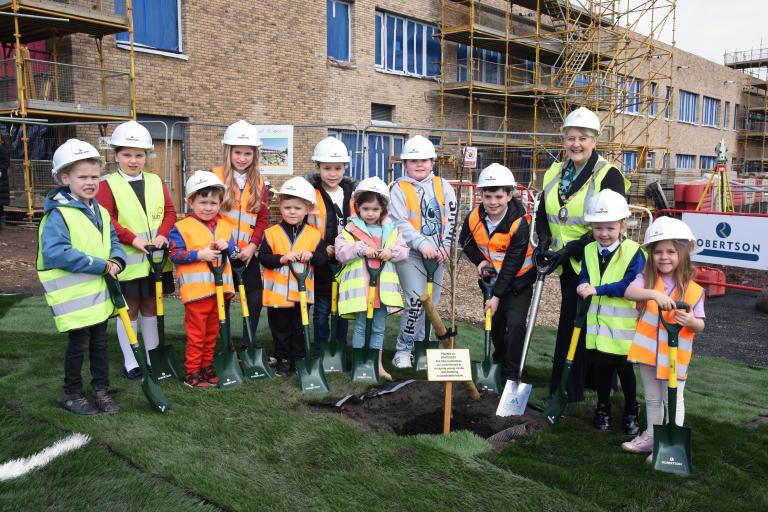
(370, 234)
(423, 207)
(290, 241)
(196, 240)
(610, 264)
(77, 246)
(667, 278)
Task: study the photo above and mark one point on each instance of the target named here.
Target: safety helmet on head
(331, 150)
(496, 175)
(374, 184)
(200, 180)
(131, 135)
(241, 133)
(70, 152)
(299, 187)
(582, 117)
(418, 148)
(607, 206)
(668, 228)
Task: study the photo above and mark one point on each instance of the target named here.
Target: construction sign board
(470, 157)
(277, 148)
(731, 240)
(448, 365)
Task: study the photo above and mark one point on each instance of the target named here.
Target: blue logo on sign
(723, 230)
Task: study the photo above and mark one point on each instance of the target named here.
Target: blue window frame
(707, 162)
(736, 116)
(688, 106)
(650, 160)
(488, 65)
(686, 161)
(338, 39)
(630, 160)
(652, 108)
(407, 46)
(667, 103)
(710, 112)
(381, 146)
(726, 114)
(156, 24)
(630, 92)
(354, 143)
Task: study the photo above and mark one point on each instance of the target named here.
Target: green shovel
(334, 355)
(225, 362)
(311, 374)
(365, 365)
(151, 390)
(420, 349)
(672, 443)
(252, 358)
(487, 373)
(163, 357)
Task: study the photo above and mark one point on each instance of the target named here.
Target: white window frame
(148, 49)
(726, 115)
(680, 156)
(382, 67)
(683, 104)
(706, 113)
(349, 30)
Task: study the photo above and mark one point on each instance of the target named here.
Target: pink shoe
(641, 444)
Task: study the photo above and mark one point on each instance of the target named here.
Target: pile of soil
(417, 408)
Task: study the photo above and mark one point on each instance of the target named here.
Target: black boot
(104, 401)
(602, 420)
(77, 404)
(629, 422)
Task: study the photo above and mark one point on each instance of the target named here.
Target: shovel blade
(164, 364)
(254, 367)
(514, 399)
(334, 357)
(488, 377)
(672, 449)
(311, 376)
(228, 369)
(420, 356)
(150, 388)
(556, 406)
(364, 367)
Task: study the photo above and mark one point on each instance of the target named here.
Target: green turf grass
(260, 448)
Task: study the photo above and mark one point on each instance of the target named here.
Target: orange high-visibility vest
(281, 290)
(649, 345)
(319, 216)
(196, 279)
(413, 205)
(241, 220)
(494, 248)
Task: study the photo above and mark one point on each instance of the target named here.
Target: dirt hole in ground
(417, 408)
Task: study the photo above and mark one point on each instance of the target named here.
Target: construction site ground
(734, 329)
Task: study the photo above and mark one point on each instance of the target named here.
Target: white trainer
(402, 359)
(649, 460)
(640, 444)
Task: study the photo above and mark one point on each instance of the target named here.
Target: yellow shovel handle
(159, 299)
(371, 302)
(488, 317)
(334, 297)
(574, 342)
(220, 303)
(303, 304)
(672, 368)
(243, 300)
(123, 312)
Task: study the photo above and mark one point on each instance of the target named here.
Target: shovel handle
(301, 277)
(674, 328)
(157, 264)
(217, 268)
(486, 281)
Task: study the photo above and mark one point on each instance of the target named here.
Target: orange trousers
(201, 322)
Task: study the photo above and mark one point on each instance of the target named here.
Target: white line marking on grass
(19, 467)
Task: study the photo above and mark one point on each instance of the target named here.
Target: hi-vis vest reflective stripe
(611, 321)
(144, 224)
(240, 220)
(196, 279)
(414, 207)
(649, 345)
(319, 216)
(353, 292)
(572, 228)
(495, 248)
(78, 300)
(281, 290)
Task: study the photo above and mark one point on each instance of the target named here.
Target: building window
(354, 142)
(710, 112)
(406, 46)
(649, 160)
(339, 38)
(156, 24)
(686, 161)
(488, 65)
(706, 162)
(736, 117)
(382, 112)
(381, 147)
(652, 109)
(630, 94)
(630, 160)
(726, 114)
(688, 105)
(668, 103)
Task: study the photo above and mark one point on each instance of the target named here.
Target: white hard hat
(200, 180)
(582, 117)
(668, 228)
(70, 152)
(418, 148)
(496, 175)
(374, 184)
(607, 206)
(131, 135)
(331, 150)
(241, 133)
(299, 187)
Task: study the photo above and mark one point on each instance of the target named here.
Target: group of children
(339, 229)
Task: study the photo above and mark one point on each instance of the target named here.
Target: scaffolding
(753, 115)
(51, 89)
(524, 64)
